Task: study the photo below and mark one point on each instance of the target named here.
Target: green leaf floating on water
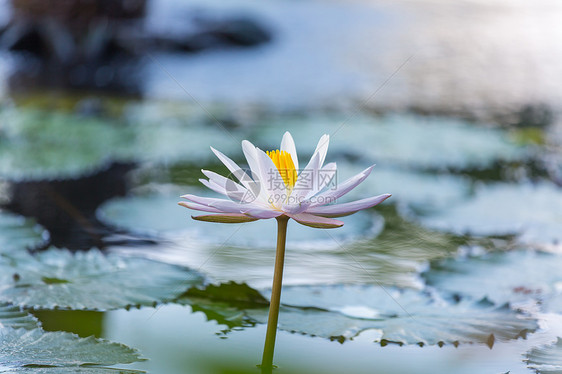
(89, 280)
(19, 233)
(517, 276)
(48, 145)
(32, 351)
(533, 212)
(546, 359)
(344, 312)
(14, 317)
(432, 142)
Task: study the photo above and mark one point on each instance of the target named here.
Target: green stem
(267, 359)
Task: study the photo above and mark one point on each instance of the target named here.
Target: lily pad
(389, 315)
(19, 233)
(516, 277)
(15, 317)
(403, 317)
(169, 132)
(90, 280)
(419, 141)
(32, 350)
(533, 212)
(49, 145)
(546, 359)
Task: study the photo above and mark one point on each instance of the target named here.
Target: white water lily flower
(275, 186)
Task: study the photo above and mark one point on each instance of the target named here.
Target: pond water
(458, 272)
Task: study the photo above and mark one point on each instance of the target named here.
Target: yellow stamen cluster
(285, 165)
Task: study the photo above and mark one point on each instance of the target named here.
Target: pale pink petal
(340, 210)
(225, 218)
(331, 196)
(316, 221)
(262, 213)
(224, 206)
(288, 145)
(200, 207)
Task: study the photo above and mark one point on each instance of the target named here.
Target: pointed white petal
(288, 145)
(253, 159)
(316, 221)
(213, 186)
(340, 210)
(322, 148)
(271, 181)
(223, 206)
(307, 180)
(227, 187)
(194, 206)
(326, 175)
(331, 196)
(234, 168)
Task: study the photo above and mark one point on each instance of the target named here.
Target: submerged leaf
(498, 277)
(225, 303)
(33, 350)
(90, 280)
(14, 317)
(546, 359)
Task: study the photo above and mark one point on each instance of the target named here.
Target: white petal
(253, 159)
(307, 181)
(227, 187)
(288, 145)
(234, 168)
(316, 221)
(340, 210)
(322, 148)
(271, 181)
(331, 196)
(326, 175)
(222, 205)
(263, 213)
(296, 208)
(200, 207)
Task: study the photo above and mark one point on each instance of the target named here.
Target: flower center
(285, 165)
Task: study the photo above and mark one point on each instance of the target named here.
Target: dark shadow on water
(66, 208)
